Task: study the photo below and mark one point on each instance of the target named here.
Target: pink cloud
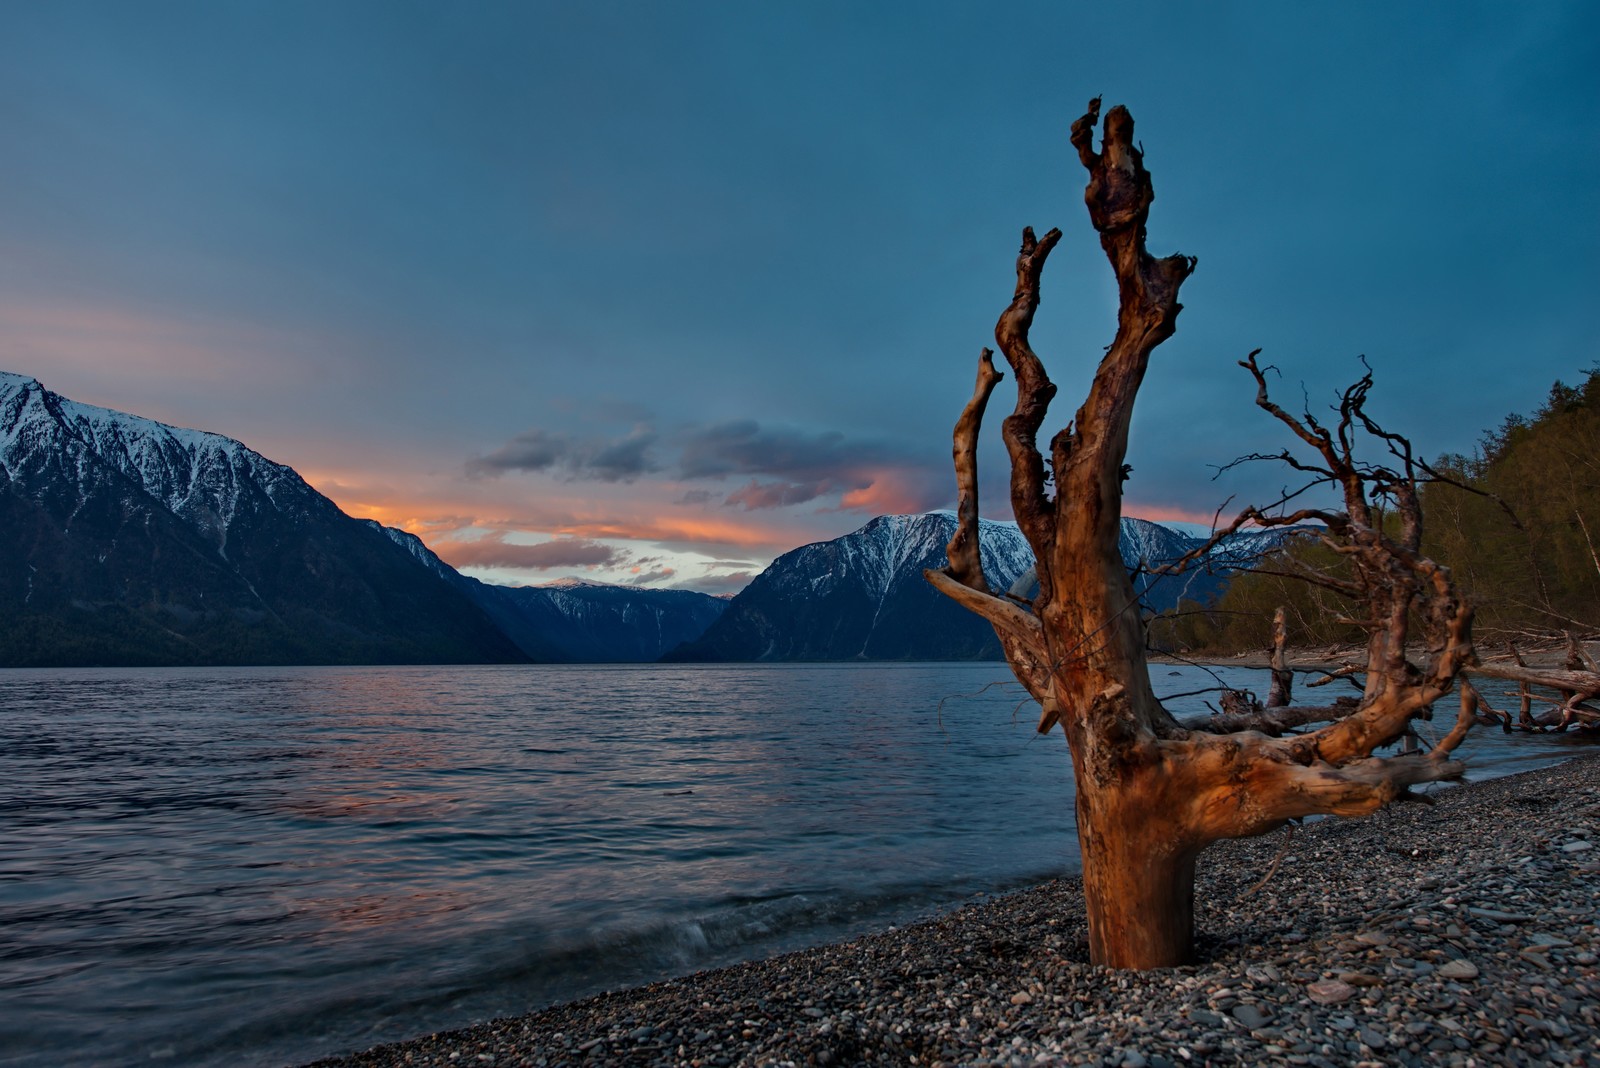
(642, 577)
(896, 491)
(106, 352)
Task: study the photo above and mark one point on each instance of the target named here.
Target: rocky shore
(1462, 933)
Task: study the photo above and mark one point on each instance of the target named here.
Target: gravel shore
(1460, 933)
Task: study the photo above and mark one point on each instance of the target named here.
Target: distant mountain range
(863, 597)
(573, 621)
(126, 541)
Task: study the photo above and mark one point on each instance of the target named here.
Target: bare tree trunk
(1138, 857)
(1138, 881)
(1152, 794)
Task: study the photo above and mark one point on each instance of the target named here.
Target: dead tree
(1153, 793)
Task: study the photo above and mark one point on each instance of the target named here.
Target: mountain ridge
(127, 541)
(124, 540)
(862, 596)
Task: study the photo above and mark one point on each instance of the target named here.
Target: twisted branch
(1035, 391)
(966, 561)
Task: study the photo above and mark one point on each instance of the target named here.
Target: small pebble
(1360, 979)
(1458, 969)
(1250, 1015)
(1330, 991)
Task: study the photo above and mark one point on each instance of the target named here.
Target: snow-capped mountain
(124, 540)
(862, 596)
(201, 478)
(588, 622)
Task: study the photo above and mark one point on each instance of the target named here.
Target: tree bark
(1139, 877)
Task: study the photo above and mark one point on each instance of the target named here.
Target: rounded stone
(1330, 991)
(1458, 969)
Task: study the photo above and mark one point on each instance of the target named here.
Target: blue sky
(653, 292)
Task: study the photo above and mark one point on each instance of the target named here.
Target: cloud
(902, 490)
(1162, 513)
(789, 467)
(757, 495)
(780, 467)
(616, 460)
(697, 533)
(492, 550)
(115, 343)
(743, 447)
(622, 460)
(533, 450)
(641, 577)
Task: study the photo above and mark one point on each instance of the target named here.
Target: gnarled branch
(966, 560)
(1035, 391)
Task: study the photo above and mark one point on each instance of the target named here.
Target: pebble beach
(1461, 932)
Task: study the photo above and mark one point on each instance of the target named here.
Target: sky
(652, 293)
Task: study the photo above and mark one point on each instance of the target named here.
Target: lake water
(259, 866)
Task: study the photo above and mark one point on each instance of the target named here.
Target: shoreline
(1461, 932)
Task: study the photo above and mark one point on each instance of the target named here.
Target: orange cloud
(680, 530)
(893, 491)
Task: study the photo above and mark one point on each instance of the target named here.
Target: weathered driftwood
(1272, 721)
(1153, 793)
(1282, 678)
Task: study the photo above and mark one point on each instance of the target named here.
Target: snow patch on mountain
(879, 554)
